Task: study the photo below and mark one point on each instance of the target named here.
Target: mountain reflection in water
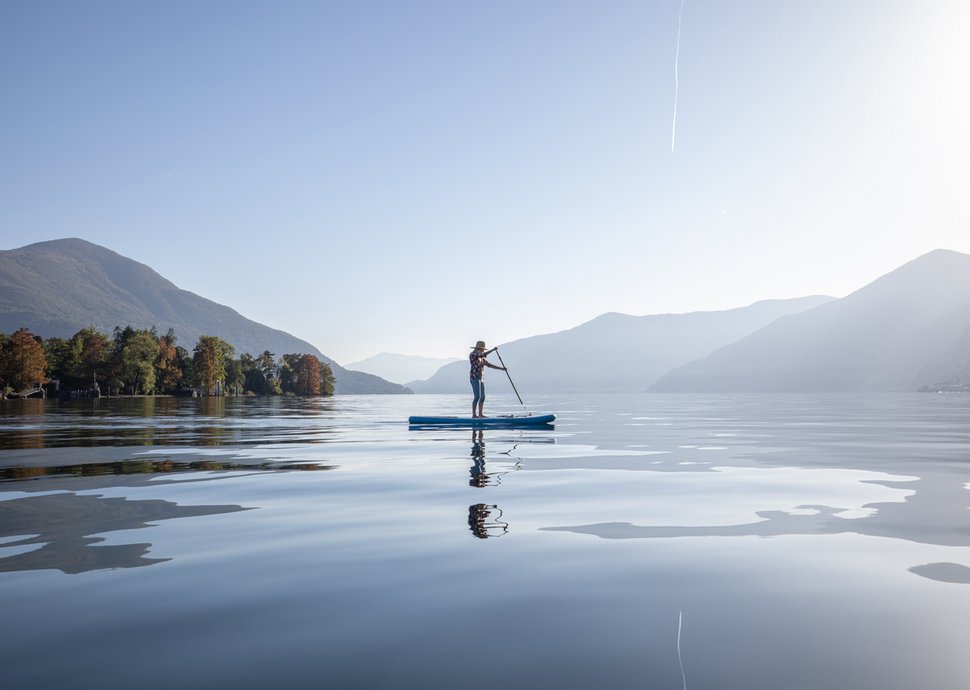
(57, 531)
(63, 524)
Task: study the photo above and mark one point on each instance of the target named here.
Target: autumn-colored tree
(94, 353)
(4, 386)
(305, 375)
(209, 363)
(22, 361)
(308, 375)
(168, 371)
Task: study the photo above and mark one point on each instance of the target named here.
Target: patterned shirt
(477, 360)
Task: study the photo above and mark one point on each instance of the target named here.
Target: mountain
(56, 288)
(909, 328)
(397, 367)
(616, 352)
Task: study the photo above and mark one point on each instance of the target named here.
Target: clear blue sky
(414, 176)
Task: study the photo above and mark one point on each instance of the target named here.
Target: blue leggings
(478, 390)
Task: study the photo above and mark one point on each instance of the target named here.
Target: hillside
(616, 352)
(909, 328)
(56, 288)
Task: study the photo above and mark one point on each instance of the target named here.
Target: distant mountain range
(906, 330)
(400, 368)
(56, 288)
(616, 352)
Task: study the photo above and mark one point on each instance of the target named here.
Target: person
(478, 362)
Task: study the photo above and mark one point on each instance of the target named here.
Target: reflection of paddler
(478, 476)
(478, 521)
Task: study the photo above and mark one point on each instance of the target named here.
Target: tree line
(141, 362)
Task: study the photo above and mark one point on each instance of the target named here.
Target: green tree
(115, 369)
(22, 361)
(235, 378)
(252, 377)
(327, 383)
(138, 357)
(287, 373)
(62, 358)
(271, 372)
(183, 362)
(260, 374)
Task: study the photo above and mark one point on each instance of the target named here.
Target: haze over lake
(656, 541)
(725, 243)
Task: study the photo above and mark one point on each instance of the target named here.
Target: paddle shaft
(510, 377)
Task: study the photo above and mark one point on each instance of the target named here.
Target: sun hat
(480, 345)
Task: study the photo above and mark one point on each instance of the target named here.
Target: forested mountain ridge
(57, 287)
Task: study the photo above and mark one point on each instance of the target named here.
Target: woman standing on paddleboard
(478, 362)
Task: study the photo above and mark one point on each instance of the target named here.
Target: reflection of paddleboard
(502, 421)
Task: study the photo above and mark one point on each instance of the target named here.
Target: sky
(415, 176)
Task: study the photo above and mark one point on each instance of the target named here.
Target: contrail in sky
(673, 131)
(680, 625)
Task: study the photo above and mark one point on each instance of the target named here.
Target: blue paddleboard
(501, 421)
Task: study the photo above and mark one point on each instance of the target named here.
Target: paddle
(510, 380)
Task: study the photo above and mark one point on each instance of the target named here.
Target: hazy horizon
(411, 178)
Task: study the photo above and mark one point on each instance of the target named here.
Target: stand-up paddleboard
(500, 421)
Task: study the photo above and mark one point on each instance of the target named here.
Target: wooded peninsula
(142, 362)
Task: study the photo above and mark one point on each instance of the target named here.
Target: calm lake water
(646, 541)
